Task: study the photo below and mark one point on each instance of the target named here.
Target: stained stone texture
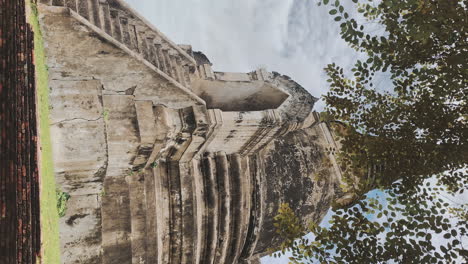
(165, 160)
(290, 165)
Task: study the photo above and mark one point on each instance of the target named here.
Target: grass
(62, 199)
(50, 245)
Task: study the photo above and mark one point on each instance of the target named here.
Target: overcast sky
(294, 37)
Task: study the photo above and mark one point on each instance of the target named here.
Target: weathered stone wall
(292, 169)
(94, 87)
(19, 179)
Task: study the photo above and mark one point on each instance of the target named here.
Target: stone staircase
(118, 20)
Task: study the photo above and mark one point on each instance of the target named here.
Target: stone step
(70, 4)
(225, 204)
(132, 30)
(122, 134)
(244, 204)
(188, 231)
(160, 54)
(256, 208)
(186, 74)
(146, 128)
(116, 223)
(141, 34)
(152, 210)
(56, 2)
(163, 212)
(179, 197)
(105, 17)
(146, 122)
(142, 45)
(172, 181)
(220, 216)
(206, 72)
(138, 207)
(167, 59)
(153, 52)
(270, 127)
(173, 55)
(94, 11)
(123, 142)
(46, 2)
(201, 214)
(240, 194)
(83, 8)
(163, 126)
(125, 31)
(212, 208)
(179, 69)
(115, 24)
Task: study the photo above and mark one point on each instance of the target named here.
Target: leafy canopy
(397, 135)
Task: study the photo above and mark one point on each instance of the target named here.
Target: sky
(293, 37)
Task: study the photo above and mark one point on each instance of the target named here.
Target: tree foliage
(406, 228)
(418, 126)
(398, 133)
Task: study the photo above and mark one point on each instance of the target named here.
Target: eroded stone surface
(291, 166)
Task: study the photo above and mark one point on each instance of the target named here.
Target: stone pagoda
(165, 160)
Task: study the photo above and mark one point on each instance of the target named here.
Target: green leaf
(444, 249)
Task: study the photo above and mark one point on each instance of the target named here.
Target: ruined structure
(165, 160)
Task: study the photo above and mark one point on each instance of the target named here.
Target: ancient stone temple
(165, 160)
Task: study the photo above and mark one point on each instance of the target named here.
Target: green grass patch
(62, 199)
(50, 248)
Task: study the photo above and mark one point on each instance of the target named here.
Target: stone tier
(179, 206)
(201, 217)
(183, 206)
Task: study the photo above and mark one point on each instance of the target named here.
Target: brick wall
(19, 188)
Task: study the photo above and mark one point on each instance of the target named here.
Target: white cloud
(293, 37)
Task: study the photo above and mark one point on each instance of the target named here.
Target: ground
(50, 249)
